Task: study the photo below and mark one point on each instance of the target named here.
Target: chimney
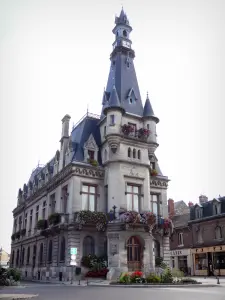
(65, 126)
(64, 140)
(190, 204)
(171, 210)
(203, 199)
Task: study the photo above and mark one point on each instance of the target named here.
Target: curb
(17, 296)
(157, 286)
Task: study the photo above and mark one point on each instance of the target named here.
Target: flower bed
(99, 219)
(165, 278)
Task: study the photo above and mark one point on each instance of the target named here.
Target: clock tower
(122, 31)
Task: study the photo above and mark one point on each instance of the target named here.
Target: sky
(54, 60)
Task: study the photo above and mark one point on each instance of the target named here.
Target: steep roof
(181, 220)
(148, 110)
(80, 134)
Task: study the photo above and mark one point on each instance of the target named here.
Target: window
(180, 239)
(25, 221)
(91, 154)
(64, 200)
(34, 255)
(28, 255)
(134, 126)
(17, 257)
(199, 236)
(198, 213)
(31, 219)
(134, 153)
(15, 225)
(52, 203)
(139, 154)
(44, 210)
(152, 165)
(20, 223)
(41, 254)
(12, 260)
(155, 204)
(129, 152)
(173, 262)
(148, 126)
(62, 249)
(125, 33)
(218, 233)
(50, 251)
(88, 197)
(133, 197)
(105, 155)
(88, 246)
(37, 214)
(104, 130)
(23, 255)
(112, 120)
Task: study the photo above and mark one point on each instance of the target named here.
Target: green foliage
(94, 263)
(91, 217)
(124, 278)
(160, 263)
(41, 224)
(167, 277)
(54, 219)
(177, 273)
(152, 278)
(188, 280)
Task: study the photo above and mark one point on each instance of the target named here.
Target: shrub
(54, 219)
(14, 273)
(99, 273)
(41, 224)
(167, 277)
(188, 280)
(124, 278)
(177, 273)
(152, 278)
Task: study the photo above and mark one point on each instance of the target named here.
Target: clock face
(126, 44)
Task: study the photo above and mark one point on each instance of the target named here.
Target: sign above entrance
(73, 251)
(209, 249)
(180, 252)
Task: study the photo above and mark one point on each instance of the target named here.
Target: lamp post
(114, 211)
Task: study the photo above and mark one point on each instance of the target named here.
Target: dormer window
(91, 154)
(198, 213)
(216, 208)
(91, 151)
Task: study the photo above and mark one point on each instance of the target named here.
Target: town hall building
(103, 192)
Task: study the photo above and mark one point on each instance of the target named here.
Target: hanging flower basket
(54, 219)
(148, 218)
(93, 162)
(143, 132)
(154, 172)
(85, 217)
(42, 224)
(127, 129)
(133, 217)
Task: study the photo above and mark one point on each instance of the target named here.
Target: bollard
(79, 282)
(218, 280)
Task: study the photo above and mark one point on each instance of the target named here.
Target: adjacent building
(103, 191)
(207, 220)
(181, 239)
(4, 258)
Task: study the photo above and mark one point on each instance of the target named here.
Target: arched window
(12, 260)
(125, 33)
(134, 153)
(88, 246)
(28, 255)
(139, 154)
(50, 251)
(17, 257)
(215, 209)
(129, 152)
(218, 232)
(105, 155)
(41, 254)
(62, 249)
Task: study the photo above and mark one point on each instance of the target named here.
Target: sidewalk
(16, 296)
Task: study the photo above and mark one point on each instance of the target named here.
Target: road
(56, 292)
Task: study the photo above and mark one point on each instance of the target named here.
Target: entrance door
(134, 251)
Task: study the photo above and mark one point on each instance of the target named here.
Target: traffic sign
(73, 251)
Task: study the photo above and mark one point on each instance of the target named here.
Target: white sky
(54, 59)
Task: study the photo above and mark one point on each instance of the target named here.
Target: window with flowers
(133, 197)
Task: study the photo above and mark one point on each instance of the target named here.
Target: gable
(91, 144)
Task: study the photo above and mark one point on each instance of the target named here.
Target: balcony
(129, 131)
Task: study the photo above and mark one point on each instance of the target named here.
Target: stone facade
(100, 168)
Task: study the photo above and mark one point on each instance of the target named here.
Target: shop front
(209, 261)
(181, 260)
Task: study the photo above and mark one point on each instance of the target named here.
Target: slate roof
(81, 133)
(34, 173)
(148, 110)
(181, 220)
(180, 207)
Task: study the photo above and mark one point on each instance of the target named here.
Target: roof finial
(87, 109)
(147, 95)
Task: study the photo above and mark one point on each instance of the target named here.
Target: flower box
(93, 162)
(85, 217)
(54, 219)
(154, 172)
(127, 129)
(42, 224)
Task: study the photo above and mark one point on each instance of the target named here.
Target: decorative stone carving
(158, 183)
(113, 248)
(113, 236)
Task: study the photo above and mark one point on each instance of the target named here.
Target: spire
(122, 72)
(148, 110)
(114, 101)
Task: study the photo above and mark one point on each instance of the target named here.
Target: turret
(150, 121)
(113, 111)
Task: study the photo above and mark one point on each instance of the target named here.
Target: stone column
(166, 250)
